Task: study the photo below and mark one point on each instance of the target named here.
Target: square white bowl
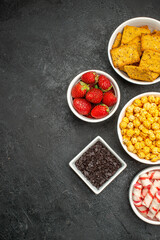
(80, 174)
(136, 22)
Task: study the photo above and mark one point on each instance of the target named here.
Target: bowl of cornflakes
(138, 128)
(134, 50)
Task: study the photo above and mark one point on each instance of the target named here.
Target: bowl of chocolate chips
(97, 165)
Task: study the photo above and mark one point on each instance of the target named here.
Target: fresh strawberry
(79, 90)
(112, 90)
(104, 83)
(94, 95)
(82, 106)
(92, 85)
(109, 99)
(89, 77)
(100, 111)
(89, 116)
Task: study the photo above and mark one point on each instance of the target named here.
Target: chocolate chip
(98, 164)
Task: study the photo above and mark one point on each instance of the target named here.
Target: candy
(155, 205)
(150, 195)
(137, 192)
(154, 175)
(145, 180)
(146, 195)
(150, 215)
(158, 215)
(144, 192)
(141, 208)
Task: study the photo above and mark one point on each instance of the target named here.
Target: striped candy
(150, 194)
(146, 195)
(146, 183)
(141, 207)
(154, 175)
(137, 191)
(155, 205)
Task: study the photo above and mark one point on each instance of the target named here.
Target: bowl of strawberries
(93, 96)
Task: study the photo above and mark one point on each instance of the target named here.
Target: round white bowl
(122, 114)
(112, 109)
(137, 22)
(130, 196)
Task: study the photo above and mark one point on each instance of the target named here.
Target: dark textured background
(43, 45)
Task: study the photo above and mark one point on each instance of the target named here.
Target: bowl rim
(134, 81)
(134, 156)
(79, 173)
(130, 195)
(90, 120)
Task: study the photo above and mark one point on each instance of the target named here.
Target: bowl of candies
(138, 128)
(144, 195)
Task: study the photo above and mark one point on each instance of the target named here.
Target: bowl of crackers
(134, 50)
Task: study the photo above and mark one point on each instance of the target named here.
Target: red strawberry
(89, 77)
(82, 106)
(109, 99)
(94, 95)
(100, 111)
(112, 90)
(79, 90)
(92, 85)
(89, 116)
(104, 83)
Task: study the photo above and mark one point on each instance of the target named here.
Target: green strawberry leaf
(106, 89)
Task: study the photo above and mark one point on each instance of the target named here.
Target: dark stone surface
(43, 45)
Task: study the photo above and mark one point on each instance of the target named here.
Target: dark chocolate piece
(98, 164)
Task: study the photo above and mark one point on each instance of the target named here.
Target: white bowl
(122, 114)
(80, 174)
(112, 109)
(130, 195)
(137, 22)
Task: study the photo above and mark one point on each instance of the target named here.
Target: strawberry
(109, 99)
(89, 77)
(92, 85)
(104, 83)
(89, 116)
(94, 95)
(79, 90)
(82, 106)
(100, 111)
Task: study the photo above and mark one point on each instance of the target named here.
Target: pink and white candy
(155, 205)
(150, 194)
(146, 183)
(141, 207)
(158, 215)
(154, 175)
(146, 195)
(137, 192)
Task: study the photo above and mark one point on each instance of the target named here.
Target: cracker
(145, 26)
(124, 55)
(141, 74)
(150, 42)
(122, 68)
(151, 60)
(131, 32)
(156, 32)
(134, 64)
(137, 41)
(117, 41)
